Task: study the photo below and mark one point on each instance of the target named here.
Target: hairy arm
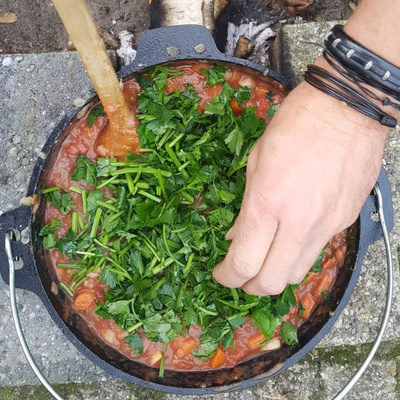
(310, 173)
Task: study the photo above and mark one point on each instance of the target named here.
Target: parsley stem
(162, 265)
(183, 166)
(68, 266)
(187, 196)
(176, 140)
(69, 292)
(74, 221)
(86, 253)
(162, 365)
(111, 199)
(149, 196)
(175, 160)
(149, 243)
(158, 285)
(147, 150)
(105, 183)
(162, 186)
(205, 310)
(97, 266)
(75, 189)
(51, 189)
(120, 270)
(79, 283)
(145, 170)
(104, 246)
(143, 185)
(93, 232)
(84, 201)
(106, 205)
(236, 307)
(129, 182)
(166, 137)
(126, 248)
(188, 264)
(81, 222)
(134, 327)
(164, 235)
(117, 215)
(139, 173)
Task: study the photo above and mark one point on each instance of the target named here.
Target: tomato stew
(88, 291)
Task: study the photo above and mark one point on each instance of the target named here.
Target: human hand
(307, 179)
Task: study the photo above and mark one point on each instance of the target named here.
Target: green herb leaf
(63, 202)
(206, 350)
(214, 75)
(94, 114)
(243, 94)
(265, 321)
(272, 109)
(54, 224)
(84, 170)
(50, 241)
(269, 96)
(285, 301)
(135, 341)
(289, 333)
(317, 266)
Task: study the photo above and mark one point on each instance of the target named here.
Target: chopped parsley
(157, 239)
(317, 266)
(94, 114)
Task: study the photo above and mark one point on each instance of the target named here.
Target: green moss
(82, 391)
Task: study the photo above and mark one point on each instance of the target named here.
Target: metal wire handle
(388, 305)
(17, 322)
(339, 396)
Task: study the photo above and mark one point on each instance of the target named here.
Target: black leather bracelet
(341, 90)
(367, 66)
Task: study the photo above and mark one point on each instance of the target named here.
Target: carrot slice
(218, 358)
(253, 342)
(235, 107)
(84, 301)
(183, 346)
(308, 301)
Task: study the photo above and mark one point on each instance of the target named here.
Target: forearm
(376, 25)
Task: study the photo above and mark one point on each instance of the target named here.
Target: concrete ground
(37, 89)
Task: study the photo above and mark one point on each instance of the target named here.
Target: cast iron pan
(160, 46)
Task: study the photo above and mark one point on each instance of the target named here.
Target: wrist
(390, 110)
(338, 114)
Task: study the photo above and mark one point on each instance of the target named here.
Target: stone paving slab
(37, 90)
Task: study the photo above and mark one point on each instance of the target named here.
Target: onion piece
(273, 344)
(155, 358)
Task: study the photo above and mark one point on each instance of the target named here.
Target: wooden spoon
(120, 136)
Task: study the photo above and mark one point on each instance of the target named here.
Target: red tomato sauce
(247, 338)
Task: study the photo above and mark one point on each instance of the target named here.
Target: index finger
(254, 232)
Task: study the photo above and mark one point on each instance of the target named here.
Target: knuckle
(296, 278)
(242, 269)
(264, 288)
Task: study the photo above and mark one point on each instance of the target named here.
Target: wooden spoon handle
(83, 32)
